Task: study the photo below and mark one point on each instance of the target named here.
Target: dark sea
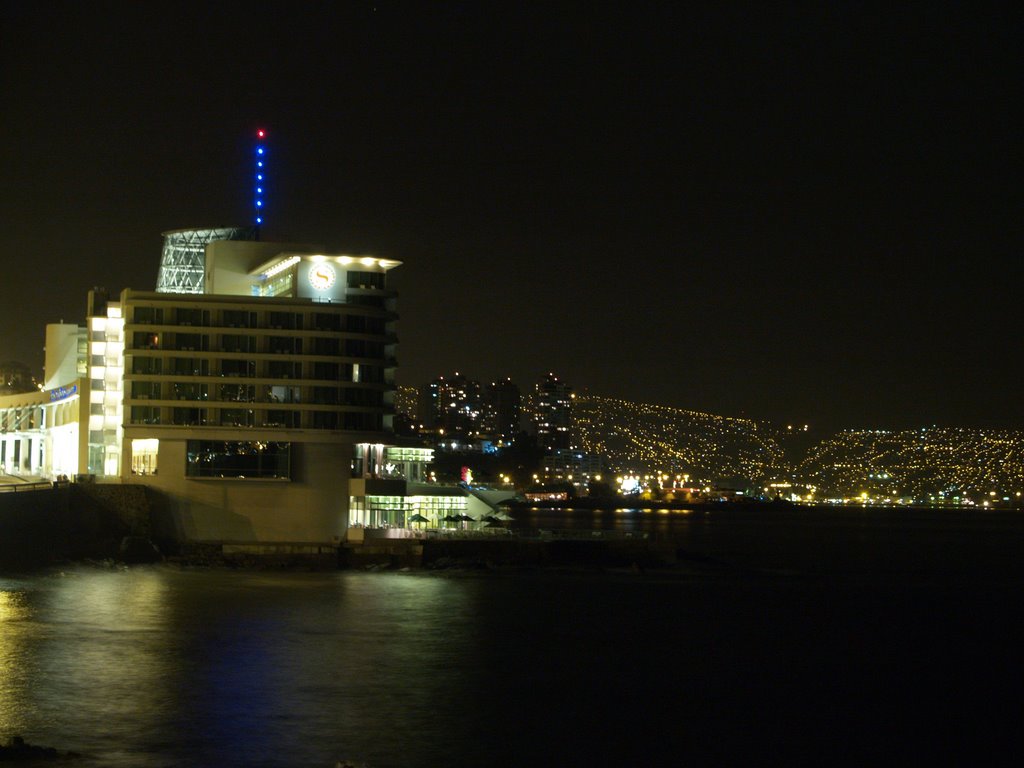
(852, 637)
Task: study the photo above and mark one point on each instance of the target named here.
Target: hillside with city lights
(666, 452)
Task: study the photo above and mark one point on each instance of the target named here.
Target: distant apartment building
(579, 468)
(503, 404)
(552, 413)
(452, 407)
(462, 414)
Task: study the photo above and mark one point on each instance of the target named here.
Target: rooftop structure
(183, 262)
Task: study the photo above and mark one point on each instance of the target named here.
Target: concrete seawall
(86, 521)
(510, 551)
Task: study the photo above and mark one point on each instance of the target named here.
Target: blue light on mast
(260, 153)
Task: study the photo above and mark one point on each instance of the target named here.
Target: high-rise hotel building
(239, 389)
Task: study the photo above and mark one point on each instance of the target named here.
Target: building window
(279, 285)
(286, 419)
(144, 455)
(325, 420)
(192, 316)
(323, 321)
(232, 343)
(145, 340)
(236, 417)
(322, 346)
(285, 320)
(146, 390)
(240, 368)
(145, 414)
(365, 279)
(146, 365)
(238, 318)
(284, 345)
(186, 417)
(188, 366)
(280, 394)
(249, 460)
(149, 315)
(183, 391)
(325, 395)
(279, 369)
(325, 371)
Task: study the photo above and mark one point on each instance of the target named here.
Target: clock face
(322, 276)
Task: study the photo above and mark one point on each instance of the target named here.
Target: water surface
(767, 651)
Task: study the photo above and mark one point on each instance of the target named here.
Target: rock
(17, 749)
(138, 549)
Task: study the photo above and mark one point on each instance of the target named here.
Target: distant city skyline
(804, 214)
(684, 448)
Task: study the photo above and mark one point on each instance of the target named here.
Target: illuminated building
(553, 413)
(502, 410)
(39, 427)
(390, 487)
(240, 405)
(452, 407)
(463, 415)
(565, 465)
(39, 433)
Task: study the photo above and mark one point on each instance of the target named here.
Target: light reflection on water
(15, 635)
(155, 666)
(152, 666)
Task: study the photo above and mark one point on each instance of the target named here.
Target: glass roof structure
(183, 262)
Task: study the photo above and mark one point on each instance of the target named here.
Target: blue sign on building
(62, 393)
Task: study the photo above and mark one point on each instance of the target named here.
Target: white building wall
(63, 451)
(61, 361)
(311, 508)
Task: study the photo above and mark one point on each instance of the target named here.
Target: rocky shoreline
(18, 750)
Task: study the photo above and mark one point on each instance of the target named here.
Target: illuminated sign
(322, 276)
(62, 393)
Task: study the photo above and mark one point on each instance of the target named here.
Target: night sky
(808, 214)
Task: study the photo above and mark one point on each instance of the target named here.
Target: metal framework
(183, 262)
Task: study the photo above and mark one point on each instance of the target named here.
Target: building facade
(553, 413)
(502, 413)
(452, 408)
(240, 403)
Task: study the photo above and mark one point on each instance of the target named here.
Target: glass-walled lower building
(406, 511)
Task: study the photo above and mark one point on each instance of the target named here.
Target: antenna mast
(261, 170)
